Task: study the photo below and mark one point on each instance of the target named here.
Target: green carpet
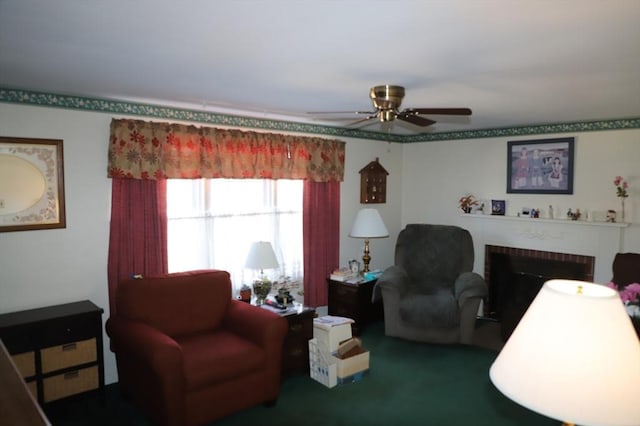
(408, 383)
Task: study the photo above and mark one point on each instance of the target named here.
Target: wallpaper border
(18, 96)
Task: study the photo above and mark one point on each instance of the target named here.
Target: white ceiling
(514, 63)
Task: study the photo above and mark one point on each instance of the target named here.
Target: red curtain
(321, 238)
(138, 231)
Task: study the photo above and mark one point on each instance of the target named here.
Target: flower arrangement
(467, 202)
(621, 191)
(621, 187)
(630, 296)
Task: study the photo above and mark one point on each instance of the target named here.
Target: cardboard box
(331, 331)
(351, 366)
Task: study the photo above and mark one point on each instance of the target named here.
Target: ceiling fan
(386, 100)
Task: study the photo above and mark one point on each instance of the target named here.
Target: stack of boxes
(335, 357)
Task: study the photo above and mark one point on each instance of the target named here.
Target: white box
(322, 369)
(330, 331)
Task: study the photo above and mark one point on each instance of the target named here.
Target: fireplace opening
(515, 276)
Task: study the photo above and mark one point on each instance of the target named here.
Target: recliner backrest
(176, 304)
(626, 269)
(434, 255)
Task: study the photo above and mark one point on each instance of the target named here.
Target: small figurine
(611, 216)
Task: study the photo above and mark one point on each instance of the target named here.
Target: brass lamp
(574, 357)
(261, 257)
(368, 224)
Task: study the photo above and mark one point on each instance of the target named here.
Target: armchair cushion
(442, 312)
(218, 356)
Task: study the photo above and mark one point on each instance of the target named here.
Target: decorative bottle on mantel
(550, 213)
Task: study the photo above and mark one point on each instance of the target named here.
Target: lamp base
(261, 289)
(366, 258)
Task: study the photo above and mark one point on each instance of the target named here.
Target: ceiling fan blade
(340, 112)
(354, 125)
(440, 111)
(415, 119)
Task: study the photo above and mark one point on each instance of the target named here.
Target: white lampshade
(261, 256)
(368, 224)
(574, 357)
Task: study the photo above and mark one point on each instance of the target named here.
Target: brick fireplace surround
(530, 251)
(525, 270)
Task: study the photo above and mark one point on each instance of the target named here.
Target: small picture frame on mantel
(498, 207)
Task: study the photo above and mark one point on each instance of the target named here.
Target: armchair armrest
(394, 278)
(259, 325)
(265, 328)
(159, 351)
(469, 285)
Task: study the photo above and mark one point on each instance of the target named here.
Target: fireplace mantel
(599, 239)
(541, 220)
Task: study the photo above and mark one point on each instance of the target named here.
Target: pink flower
(612, 285)
(629, 293)
(621, 187)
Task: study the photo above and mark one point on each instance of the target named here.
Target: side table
(354, 301)
(295, 352)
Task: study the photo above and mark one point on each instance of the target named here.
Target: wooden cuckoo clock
(373, 183)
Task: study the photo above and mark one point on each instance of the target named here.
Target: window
(212, 223)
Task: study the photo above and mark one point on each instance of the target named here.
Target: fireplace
(515, 275)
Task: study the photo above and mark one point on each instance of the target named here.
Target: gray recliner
(431, 293)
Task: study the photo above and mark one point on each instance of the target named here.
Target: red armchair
(187, 353)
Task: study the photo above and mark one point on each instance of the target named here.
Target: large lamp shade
(574, 357)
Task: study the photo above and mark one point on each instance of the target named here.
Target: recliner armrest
(468, 285)
(393, 278)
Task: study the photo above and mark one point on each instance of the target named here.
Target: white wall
(47, 267)
(437, 174)
(359, 153)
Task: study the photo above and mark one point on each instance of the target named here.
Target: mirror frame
(49, 211)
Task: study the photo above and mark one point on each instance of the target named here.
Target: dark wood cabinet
(295, 353)
(57, 349)
(354, 301)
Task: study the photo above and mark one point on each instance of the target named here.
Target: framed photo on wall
(543, 166)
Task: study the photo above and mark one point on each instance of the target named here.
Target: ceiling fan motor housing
(387, 100)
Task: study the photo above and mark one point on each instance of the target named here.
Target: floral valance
(149, 150)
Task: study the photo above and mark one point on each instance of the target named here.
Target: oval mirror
(22, 185)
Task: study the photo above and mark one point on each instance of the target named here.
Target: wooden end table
(295, 352)
(354, 301)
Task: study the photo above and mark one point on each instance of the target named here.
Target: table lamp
(261, 257)
(574, 357)
(368, 224)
